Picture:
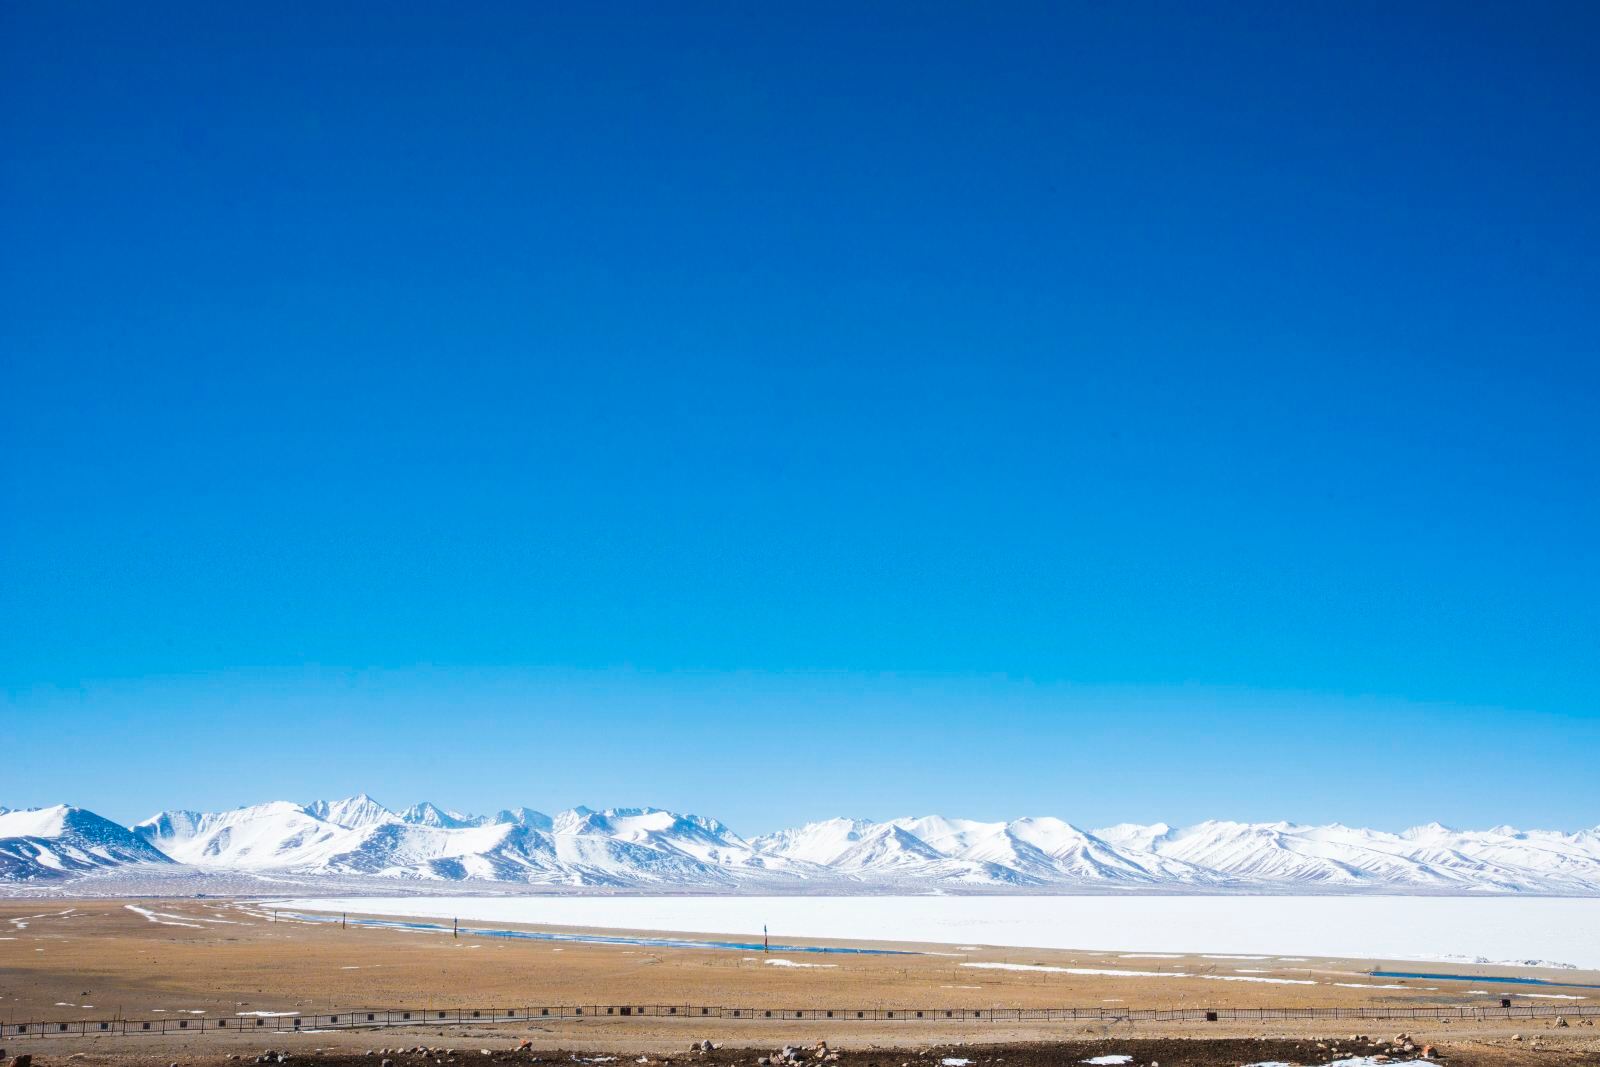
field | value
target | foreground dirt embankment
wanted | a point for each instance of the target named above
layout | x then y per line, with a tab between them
459	1049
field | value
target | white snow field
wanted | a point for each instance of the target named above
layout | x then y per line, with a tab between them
1511	930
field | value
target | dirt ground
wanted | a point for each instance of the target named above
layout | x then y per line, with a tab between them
457	1048
185	958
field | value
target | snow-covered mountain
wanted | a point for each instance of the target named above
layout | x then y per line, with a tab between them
59	842
623	847
427	814
351	812
524	817
639	848
1427	857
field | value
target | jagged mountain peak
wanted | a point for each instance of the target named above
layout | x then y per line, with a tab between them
427	813
524	816
1139	836
817	842
567	822
351	812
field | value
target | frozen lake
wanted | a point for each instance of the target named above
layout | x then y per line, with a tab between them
1491	929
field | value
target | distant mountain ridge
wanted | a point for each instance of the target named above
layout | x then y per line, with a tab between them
644	848
61	842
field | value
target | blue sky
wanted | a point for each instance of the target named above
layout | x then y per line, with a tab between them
1110	411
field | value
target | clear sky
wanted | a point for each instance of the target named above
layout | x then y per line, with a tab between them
1117	411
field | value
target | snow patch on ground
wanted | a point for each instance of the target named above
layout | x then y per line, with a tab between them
794	963
162	917
1109	972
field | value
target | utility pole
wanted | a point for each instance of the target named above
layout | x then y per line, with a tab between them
766	946
455	928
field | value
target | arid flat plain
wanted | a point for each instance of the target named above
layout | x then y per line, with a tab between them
220	959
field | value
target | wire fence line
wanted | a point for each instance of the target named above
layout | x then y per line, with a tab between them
368	1019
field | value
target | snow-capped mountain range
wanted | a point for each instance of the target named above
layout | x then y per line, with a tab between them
649	848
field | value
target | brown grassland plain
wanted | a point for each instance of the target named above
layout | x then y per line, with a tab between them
63	959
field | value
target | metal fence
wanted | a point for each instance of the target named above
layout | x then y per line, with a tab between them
364	1019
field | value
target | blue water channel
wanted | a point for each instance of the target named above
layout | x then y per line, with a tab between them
1480	978
598	939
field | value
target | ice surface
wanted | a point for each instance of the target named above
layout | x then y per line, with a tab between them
1376	928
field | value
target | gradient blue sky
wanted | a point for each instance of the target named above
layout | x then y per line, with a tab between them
1135	411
